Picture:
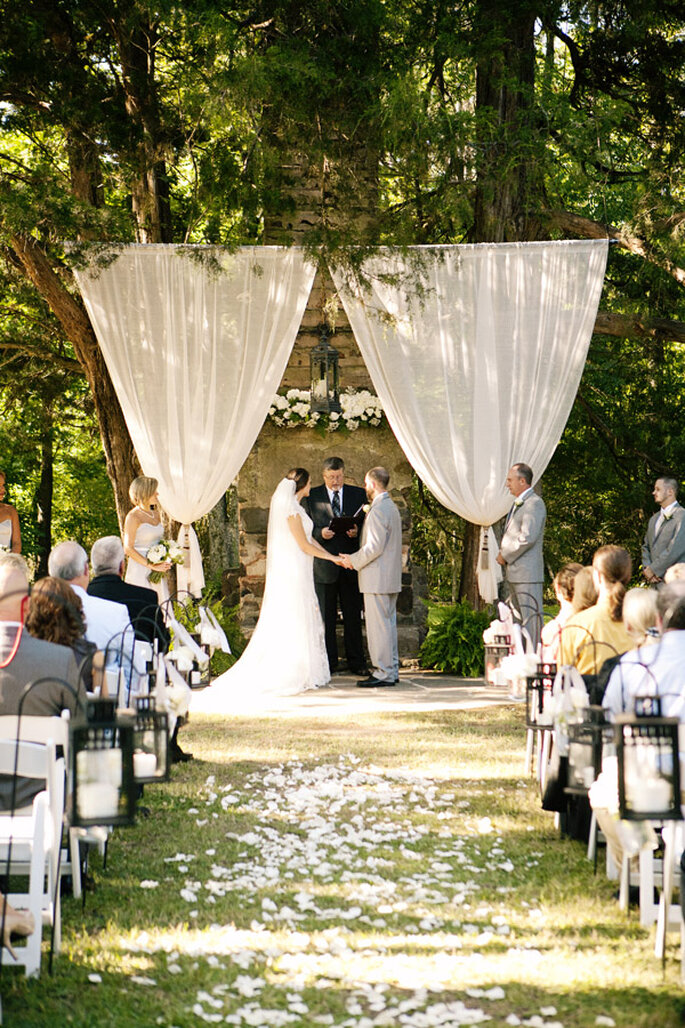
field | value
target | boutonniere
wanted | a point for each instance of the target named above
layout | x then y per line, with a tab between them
366	508
667	517
518	502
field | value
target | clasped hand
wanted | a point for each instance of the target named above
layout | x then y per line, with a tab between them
343	560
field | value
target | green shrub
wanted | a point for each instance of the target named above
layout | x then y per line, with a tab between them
454	642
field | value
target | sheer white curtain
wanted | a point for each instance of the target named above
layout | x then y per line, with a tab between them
478	366
196	342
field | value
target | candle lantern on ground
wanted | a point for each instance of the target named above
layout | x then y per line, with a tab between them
585	742
648	763
324	397
200	674
150	742
495	652
101	756
538	693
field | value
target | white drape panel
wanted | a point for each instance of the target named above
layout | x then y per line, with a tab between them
481	368
196	348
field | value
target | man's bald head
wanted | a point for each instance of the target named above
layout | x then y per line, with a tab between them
14	587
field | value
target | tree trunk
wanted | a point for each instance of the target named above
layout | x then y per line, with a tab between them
122	463
43	496
506	170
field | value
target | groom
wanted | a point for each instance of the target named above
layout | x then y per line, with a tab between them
379	563
335	584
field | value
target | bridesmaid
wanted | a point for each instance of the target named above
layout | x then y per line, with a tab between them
142	529
10	534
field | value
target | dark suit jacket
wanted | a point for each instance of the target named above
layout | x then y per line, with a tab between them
143	610
318	506
36	659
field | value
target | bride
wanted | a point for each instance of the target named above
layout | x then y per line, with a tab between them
143	528
286	653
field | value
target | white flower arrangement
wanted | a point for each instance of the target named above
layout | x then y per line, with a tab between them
164	550
359	407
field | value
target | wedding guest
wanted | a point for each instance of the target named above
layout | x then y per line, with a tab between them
107	564
24	659
655	669
10	533
379	563
584	590
337	586
563	585
592	635
664	542
520	552
55	613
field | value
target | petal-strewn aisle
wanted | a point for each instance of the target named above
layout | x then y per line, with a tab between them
378	870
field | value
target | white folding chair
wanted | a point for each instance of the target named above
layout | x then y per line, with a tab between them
27	842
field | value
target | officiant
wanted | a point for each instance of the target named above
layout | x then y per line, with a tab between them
336	510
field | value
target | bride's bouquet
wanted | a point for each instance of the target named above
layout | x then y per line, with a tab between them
165	549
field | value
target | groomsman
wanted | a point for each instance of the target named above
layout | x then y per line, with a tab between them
521	549
334	584
664	542
379	563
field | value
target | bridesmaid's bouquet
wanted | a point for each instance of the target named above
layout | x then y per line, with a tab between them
165	549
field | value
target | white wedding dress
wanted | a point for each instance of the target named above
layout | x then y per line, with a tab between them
287	651
146	536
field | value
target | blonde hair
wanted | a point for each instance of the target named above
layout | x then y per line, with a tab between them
142	489
584	590
676	573
639	613
615	565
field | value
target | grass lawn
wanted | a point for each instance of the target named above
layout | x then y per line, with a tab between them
375	870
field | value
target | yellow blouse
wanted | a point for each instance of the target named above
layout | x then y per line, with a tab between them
610	637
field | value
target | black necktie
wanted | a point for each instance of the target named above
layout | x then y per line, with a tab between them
336	504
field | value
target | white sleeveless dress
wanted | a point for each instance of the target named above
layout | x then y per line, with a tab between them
6	535
287	651
146	536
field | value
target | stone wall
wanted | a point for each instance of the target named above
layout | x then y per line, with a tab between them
275	452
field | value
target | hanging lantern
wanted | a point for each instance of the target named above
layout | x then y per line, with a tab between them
495	652
324	396
538	694
648	763
102	782
585	742
150	742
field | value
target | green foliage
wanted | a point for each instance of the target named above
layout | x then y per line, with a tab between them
186	614
454	642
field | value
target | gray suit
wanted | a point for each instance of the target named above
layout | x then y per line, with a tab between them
521	548
35	659
379	563
666	548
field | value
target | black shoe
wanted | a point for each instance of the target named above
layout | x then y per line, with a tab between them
373	683
143	811
361	671
177	756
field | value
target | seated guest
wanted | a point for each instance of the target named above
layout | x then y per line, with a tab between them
592	635
25	659
55	613
108	563
655	670
107	623
563	585
584	590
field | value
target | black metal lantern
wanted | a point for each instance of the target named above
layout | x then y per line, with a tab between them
585	742
102	782
200	675
324	397
495	652
150	742
538	691
648	763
